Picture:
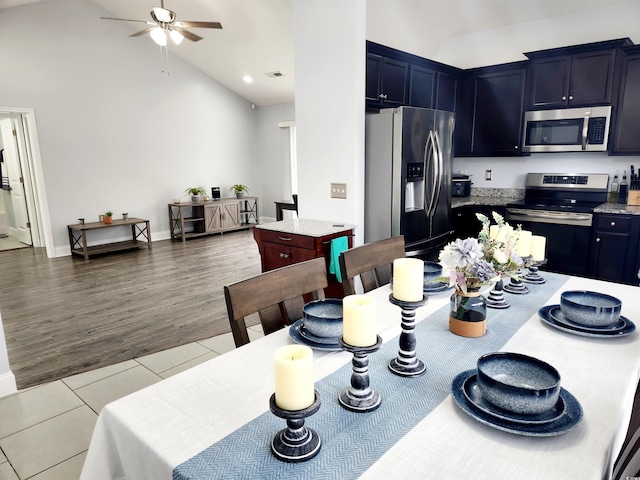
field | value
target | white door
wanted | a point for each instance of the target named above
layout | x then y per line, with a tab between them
11	168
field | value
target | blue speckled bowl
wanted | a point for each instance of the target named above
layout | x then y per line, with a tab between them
518	383
591	309
432	270
323	318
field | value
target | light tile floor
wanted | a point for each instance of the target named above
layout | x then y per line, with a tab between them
45	430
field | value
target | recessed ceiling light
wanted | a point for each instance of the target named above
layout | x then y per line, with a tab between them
247	79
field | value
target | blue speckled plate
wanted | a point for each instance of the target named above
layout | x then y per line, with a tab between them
571	416
472	392
545	316
558	316
297	333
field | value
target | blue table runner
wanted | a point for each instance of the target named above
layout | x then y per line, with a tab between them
352	442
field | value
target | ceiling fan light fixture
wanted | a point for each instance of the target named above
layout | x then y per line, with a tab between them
176	36
159	36
163	15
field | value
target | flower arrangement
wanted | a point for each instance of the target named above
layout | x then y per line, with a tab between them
475	262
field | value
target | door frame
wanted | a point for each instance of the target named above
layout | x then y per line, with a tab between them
34	185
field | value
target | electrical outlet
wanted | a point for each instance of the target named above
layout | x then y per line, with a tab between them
338	190
487	175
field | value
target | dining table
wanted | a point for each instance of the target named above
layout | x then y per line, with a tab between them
214	420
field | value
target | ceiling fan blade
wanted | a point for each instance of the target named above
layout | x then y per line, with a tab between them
123	19
142	32
187	34
198	24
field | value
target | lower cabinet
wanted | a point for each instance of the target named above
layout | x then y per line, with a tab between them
465	223
614	248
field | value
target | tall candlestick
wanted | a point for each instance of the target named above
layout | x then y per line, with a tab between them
294	377
523	244
538	245
359	323
408	279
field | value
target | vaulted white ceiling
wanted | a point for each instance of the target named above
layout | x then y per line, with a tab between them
257	37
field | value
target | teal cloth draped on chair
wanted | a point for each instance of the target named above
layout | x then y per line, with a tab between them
338	245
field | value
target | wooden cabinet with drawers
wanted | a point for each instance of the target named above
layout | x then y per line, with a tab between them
613	247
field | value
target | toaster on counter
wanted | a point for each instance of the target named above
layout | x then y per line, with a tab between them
461	185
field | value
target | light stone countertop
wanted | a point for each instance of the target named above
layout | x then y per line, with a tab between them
618	208
489	196
306	227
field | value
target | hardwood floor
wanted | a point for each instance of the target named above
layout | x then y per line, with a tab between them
65	316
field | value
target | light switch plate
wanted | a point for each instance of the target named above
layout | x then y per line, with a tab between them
338	190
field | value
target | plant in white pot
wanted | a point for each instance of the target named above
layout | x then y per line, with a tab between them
196	193
239	190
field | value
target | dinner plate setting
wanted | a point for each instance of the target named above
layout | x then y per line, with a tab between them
553	316
300	334
559	419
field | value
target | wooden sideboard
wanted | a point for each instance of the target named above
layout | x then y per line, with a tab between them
187	220
292	241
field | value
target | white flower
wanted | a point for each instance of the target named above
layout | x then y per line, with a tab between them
500	256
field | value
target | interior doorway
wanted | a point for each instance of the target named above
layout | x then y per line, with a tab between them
25	206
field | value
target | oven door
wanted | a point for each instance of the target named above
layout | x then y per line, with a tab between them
568	237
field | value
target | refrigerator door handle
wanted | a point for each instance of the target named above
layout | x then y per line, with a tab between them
430	157
440	163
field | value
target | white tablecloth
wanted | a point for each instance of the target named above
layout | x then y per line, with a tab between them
148	433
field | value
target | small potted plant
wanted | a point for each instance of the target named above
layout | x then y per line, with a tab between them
196	193
108	217
239	190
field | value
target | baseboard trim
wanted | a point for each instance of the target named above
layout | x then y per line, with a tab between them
7	384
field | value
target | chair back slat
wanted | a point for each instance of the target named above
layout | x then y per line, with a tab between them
371	263
285	288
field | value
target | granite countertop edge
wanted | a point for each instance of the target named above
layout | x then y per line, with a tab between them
307	227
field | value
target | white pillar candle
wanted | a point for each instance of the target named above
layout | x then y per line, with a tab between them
408	279
359	325
503	232
523	243
294	377
538	245
493	232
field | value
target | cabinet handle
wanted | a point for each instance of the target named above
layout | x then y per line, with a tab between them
613	224
598	240
284	255
564	97
570	97
285	239
383	96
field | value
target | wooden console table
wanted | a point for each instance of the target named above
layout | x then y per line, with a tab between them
78	237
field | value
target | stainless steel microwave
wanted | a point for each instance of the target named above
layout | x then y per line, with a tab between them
567	130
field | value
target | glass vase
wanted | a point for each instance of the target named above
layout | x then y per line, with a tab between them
468	313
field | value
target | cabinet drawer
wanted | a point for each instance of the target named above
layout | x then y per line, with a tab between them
287	239
613	223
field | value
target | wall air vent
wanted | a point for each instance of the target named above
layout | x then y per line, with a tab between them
274	74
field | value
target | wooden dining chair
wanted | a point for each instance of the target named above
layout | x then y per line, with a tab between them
278	297
371	263
627	465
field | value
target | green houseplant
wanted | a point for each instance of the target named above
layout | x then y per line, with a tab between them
108	217
239	190
196	193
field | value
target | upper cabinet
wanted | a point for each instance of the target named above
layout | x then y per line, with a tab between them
396	78
387	81
626	127
490	111
581	75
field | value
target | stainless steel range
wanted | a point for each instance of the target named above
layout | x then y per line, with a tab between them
559	206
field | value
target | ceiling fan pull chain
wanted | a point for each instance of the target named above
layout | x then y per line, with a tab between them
164	59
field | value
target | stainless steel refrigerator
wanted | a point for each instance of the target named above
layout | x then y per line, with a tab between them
408	162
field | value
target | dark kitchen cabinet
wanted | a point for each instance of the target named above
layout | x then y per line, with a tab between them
387	81
464	222
446	92
626	126
613	248
422	85
489	111
581	75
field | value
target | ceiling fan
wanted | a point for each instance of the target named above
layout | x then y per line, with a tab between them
164	24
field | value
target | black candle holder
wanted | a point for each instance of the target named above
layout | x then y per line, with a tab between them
496	296
360	397
296	443
533	276
406	364
516	286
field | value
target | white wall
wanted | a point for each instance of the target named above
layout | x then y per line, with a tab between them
115	132
7	379
330	84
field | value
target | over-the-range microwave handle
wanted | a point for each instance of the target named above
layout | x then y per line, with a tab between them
585	130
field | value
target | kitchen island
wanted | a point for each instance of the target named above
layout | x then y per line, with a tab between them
297	240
